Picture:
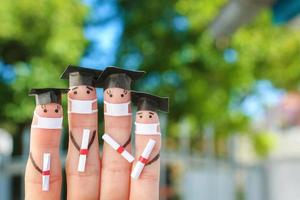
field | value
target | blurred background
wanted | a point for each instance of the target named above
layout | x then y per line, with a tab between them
230	67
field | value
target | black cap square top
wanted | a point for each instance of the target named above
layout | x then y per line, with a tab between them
47	95
80	75
145	101
115	77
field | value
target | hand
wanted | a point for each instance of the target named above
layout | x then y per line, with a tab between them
115	181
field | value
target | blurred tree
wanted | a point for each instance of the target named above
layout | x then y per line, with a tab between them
263	143
37	40
207	80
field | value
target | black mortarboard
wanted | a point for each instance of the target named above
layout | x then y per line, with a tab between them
145	101
47	95
80	75
117	77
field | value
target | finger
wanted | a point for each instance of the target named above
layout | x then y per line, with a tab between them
83	160
43	177
115	168
146	168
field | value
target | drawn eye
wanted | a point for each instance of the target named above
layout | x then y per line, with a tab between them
45	110
141	116
122	95
56	110
150	116
109	93
88	92
75	92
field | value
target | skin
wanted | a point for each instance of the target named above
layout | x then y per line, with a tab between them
83	185
115	179
115	169
146	187
44	141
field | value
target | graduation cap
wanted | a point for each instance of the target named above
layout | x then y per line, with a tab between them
47	95
145	101
117	77
80	75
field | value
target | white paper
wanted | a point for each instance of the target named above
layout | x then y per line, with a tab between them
125	154
47	122
82	106
139	166
137	170
117	109
84	145
146	129
46	167
148	149
109	140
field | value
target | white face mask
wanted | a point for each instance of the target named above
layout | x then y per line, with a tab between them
82	106
117	109
47	122
146	129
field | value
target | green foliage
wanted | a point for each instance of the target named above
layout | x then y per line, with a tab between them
38	38
189	66
264	143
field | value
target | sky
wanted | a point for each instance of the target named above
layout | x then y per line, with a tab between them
103	29
265	95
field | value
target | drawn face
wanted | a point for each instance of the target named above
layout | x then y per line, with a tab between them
82	92
116	95
51	110
146	117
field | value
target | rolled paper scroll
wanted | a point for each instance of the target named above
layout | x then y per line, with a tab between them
46	172
143	159
109	140
83	150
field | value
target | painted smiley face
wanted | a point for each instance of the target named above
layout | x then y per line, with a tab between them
82	93
147	117
52	110
117	95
